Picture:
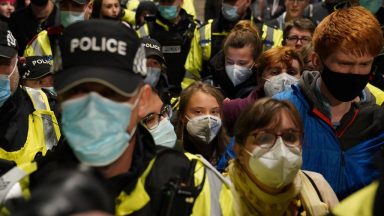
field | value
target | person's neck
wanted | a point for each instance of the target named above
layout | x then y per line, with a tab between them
288	17
207	150
176	20
42	12
338	108
122	164
266	189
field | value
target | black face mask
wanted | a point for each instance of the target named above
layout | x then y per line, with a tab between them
344	87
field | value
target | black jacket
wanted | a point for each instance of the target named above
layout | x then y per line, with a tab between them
14	119
220	78
175	42
24	25
169	164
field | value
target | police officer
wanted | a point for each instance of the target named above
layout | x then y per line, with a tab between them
173	28
28	125
104	99
209	38
43	44
36	72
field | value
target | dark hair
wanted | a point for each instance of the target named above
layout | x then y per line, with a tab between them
96	10
67	192
261	114
186	95
244	34
302	24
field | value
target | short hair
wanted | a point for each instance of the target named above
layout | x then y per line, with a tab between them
244	34
285	55
302	24
352	30
263	113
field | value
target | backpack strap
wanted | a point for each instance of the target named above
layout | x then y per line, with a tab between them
314	186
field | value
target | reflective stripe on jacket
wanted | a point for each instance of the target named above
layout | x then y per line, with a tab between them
215	197
43	130
39	46
201	49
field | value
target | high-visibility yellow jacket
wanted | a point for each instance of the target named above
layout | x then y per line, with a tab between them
215	197
42	43
130	12
43	130
378	93
360	203
201	49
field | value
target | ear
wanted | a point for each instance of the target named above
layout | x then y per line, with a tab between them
315	58
145	99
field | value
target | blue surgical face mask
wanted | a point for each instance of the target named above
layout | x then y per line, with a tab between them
5	86
164	134
230	12
96	128
153	75
69	17
168	12
371	5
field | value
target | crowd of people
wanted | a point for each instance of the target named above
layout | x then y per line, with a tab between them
136	107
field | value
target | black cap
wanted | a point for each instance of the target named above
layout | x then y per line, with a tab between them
103	51
8	44
35	67
153	49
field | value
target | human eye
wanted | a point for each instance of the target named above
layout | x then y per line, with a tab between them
229	62
198	112
264	140
306	39
151	121
292	38
291	137
292	71
275	71
215	112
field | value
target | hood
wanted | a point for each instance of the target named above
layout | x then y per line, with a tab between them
316	99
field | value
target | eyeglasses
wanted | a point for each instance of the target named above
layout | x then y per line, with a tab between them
152	120
267	139
295	39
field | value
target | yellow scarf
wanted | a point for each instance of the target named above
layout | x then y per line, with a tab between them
251	200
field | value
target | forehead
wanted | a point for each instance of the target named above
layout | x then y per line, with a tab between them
299	32
282	121
103	90
339	55
110	1
239	53
203	100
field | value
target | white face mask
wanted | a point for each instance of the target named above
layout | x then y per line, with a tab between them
238	74
275	167
279	83
164	134
204	128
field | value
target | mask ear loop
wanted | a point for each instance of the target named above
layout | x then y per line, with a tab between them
14	69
